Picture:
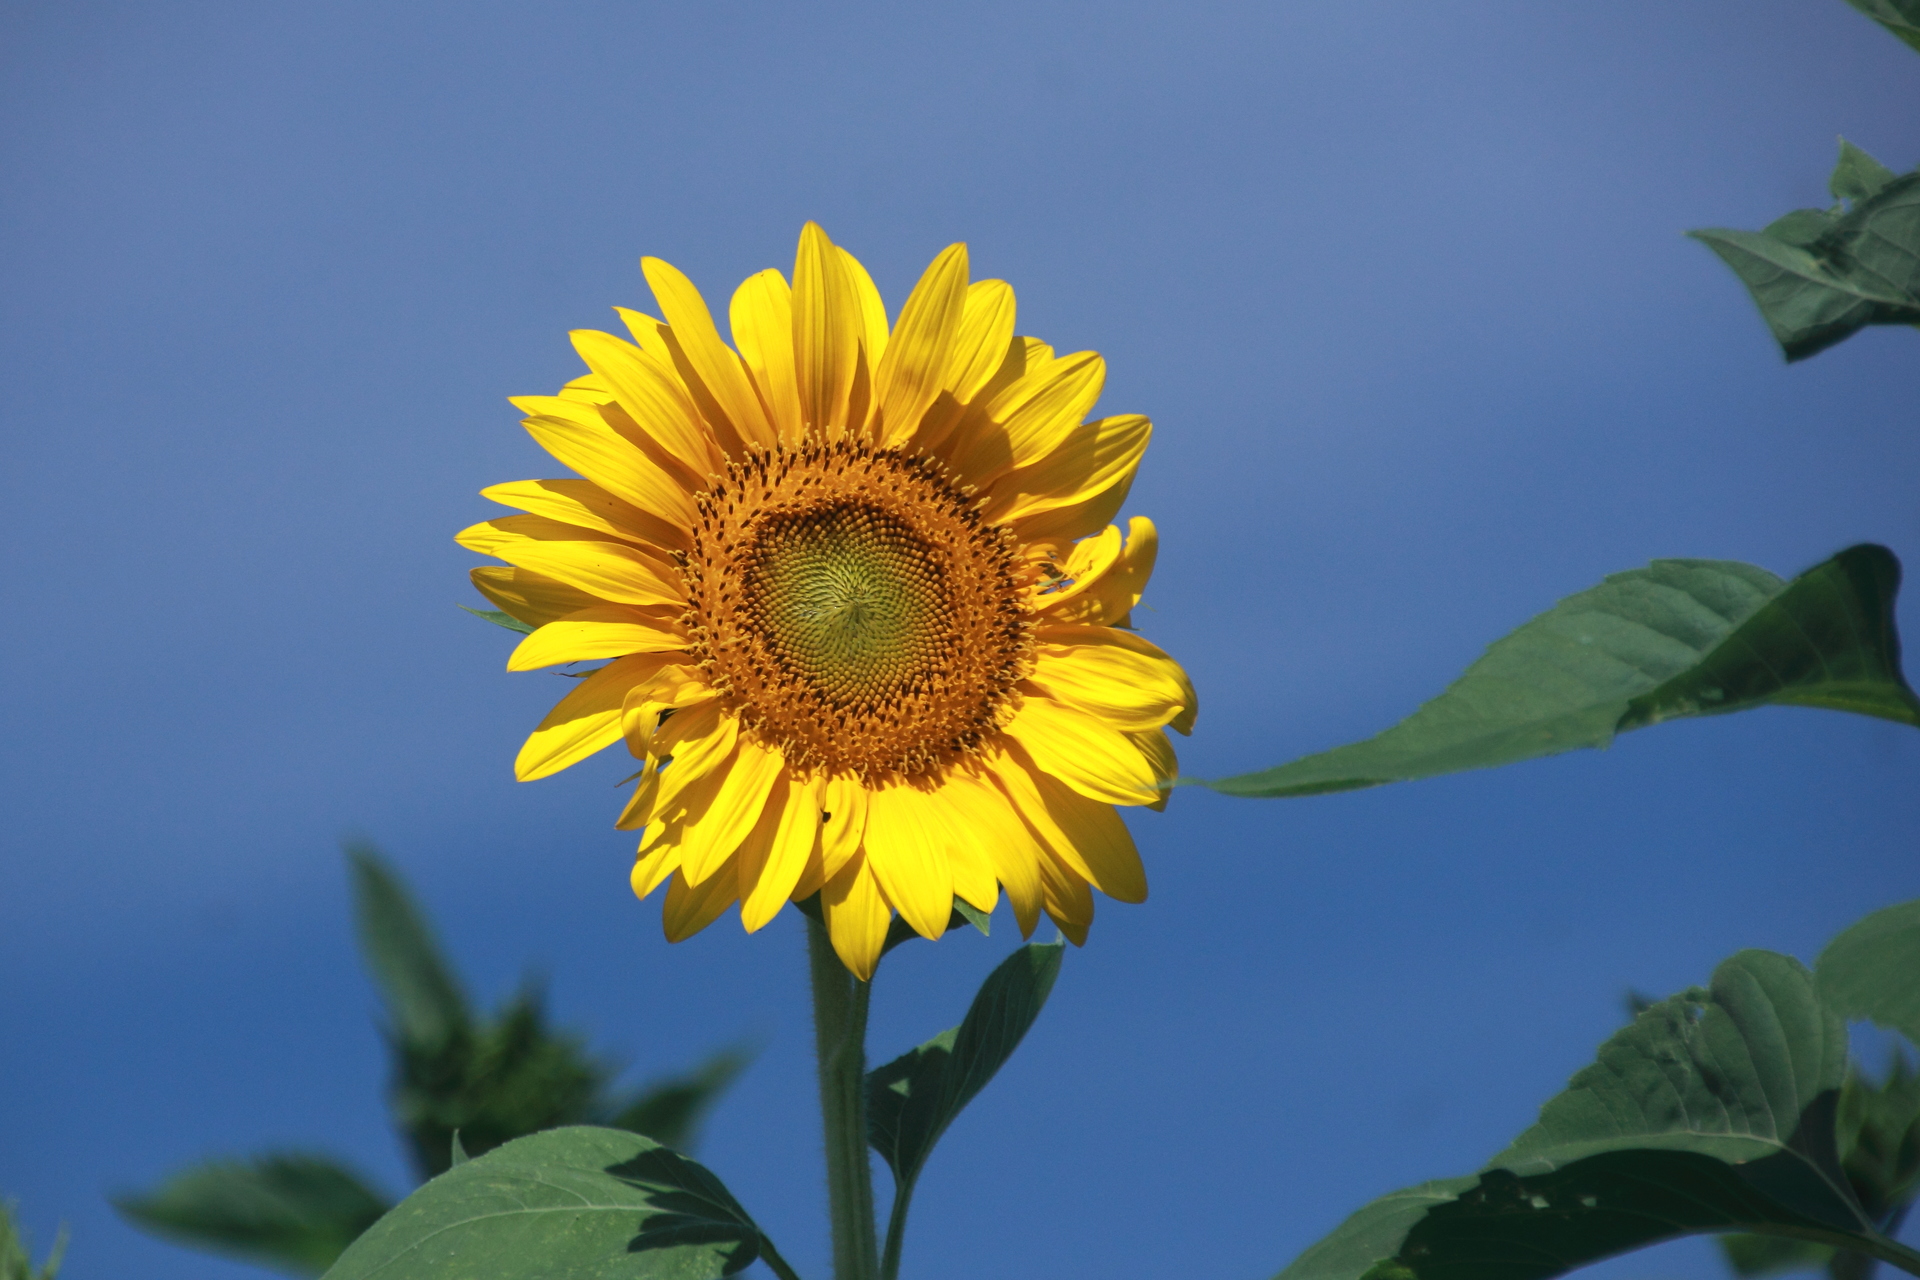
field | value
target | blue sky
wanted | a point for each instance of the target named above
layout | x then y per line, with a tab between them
1404	290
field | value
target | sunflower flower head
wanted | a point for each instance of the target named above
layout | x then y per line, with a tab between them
864	619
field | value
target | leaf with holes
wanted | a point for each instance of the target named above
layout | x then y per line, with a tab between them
1678	638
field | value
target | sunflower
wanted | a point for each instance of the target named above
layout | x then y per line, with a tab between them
867	621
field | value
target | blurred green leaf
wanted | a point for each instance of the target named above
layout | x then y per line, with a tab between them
16	1262
912	1100
578	1202
1713	1111
670	1111
510	1077
499	619
1678	638
1751	1255
1819	276
1902	17
1871	971
425	1005
294	1213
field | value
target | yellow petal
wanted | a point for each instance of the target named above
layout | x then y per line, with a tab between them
713	834
1107	593
1035	416
1161	759
602	631
793	837
1061	527
827	324
1083	751
920	350
986	813
1094	457
673	687
762	321
843	823
1100	839
652	395
651	337
906	847
873	312
653	866
612	571
953	431
980	346
585	504
716	366
638	814
1067	901
586	720
613	462
700	744
857	918
690	908
533	598
1086	564
967	833
1124	680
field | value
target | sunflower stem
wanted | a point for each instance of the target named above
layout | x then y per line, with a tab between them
840	1040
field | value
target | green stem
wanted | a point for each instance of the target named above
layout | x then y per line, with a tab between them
840	1040
896	1233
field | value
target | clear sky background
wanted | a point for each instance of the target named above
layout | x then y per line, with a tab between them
1404	289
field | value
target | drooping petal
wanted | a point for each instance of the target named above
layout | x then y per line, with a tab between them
617	572
586	720
791	845
690	908
1067	900
638	815
857	918
653	865
602	631
717	367
1160	757
920	351
827	325
1015	851
700	743
1106	589
1119	677
762	320
843	820
1085	752
675	687
588	506
906	847
533	598
655	400
712	835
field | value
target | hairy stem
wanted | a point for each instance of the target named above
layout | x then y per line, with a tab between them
840	1036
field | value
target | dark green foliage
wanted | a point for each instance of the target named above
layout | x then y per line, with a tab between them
1902	17
294	1213
16	1263
1821	275
576	1202
912	1100
1678	638
463	1084
1721	1109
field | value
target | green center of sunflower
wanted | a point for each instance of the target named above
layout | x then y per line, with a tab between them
853	610
849	599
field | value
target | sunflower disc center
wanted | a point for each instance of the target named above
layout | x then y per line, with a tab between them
853	610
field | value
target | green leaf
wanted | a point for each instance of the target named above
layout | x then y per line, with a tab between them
1750	1255
1872	970
500	619
294	1213
1902	17
578	1203
1818	276
423	998
1678	638
912	1100
16	1262
1857	176
1713	1111
670	1111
